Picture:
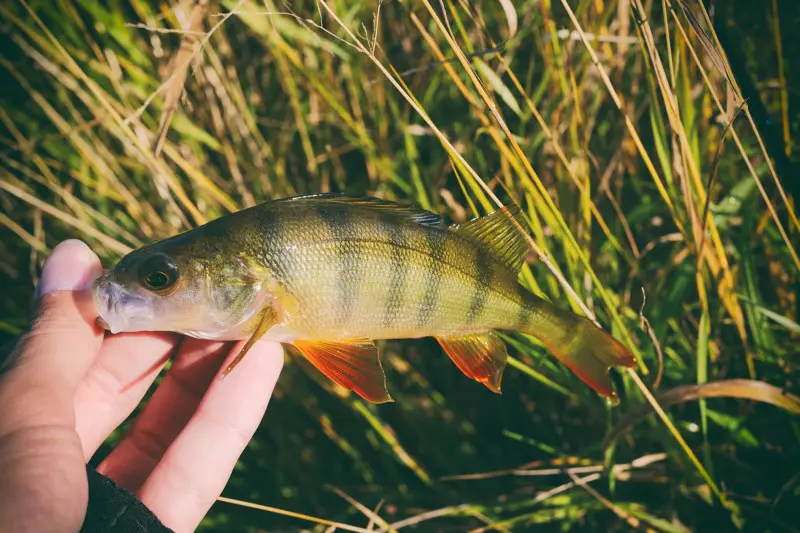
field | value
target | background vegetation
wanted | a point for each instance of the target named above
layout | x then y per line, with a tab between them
618	126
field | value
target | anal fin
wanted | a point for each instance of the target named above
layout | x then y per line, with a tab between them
480	357
354	364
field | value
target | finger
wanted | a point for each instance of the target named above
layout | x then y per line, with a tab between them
197	465
52	357
116	382
170	408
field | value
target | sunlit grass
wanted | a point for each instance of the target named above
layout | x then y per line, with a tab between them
621	134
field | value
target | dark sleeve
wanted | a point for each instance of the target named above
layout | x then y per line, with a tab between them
113	509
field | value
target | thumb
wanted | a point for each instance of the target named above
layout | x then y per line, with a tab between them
50	359
43	485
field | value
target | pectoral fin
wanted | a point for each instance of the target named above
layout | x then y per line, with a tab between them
268	319
480	357
353	364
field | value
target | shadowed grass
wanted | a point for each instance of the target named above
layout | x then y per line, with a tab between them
620	130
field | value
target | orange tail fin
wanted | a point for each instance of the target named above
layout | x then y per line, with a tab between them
586	349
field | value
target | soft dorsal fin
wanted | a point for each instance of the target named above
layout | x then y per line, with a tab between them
498	231
415	214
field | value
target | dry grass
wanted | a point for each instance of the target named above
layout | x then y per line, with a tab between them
618	127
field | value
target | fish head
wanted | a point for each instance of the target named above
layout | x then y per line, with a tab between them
179	286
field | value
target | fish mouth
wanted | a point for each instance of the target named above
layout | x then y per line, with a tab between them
118	309
102	323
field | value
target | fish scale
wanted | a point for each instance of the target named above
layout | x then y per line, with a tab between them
440	293
329	274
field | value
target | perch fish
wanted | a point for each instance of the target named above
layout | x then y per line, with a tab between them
329	274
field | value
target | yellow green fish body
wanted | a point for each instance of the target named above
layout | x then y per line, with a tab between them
329	274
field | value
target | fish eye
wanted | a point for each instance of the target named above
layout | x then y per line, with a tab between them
158	273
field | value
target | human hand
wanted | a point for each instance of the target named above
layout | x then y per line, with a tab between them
68	388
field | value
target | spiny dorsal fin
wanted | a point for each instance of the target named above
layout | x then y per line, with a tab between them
498	231
416	214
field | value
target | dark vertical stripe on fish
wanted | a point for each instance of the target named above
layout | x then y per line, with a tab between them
338	220
480	287
436	243
524	315
397	281
271	252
